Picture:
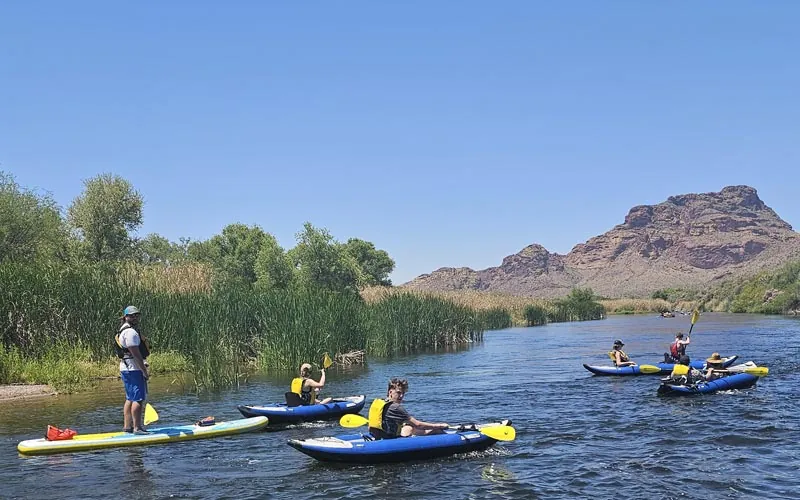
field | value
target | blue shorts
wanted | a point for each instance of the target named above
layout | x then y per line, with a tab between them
135	385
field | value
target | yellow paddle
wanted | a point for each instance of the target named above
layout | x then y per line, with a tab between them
496	432
326	361
649	369
695	317
758	371
150	415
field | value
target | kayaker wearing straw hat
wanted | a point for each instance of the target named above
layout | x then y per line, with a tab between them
714	366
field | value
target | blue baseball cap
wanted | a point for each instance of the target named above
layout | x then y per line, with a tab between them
131	310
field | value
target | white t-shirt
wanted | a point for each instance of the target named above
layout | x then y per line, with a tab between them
129	337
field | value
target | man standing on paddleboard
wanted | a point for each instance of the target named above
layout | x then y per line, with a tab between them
132	350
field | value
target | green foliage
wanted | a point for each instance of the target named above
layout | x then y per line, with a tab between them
376	265
535	315
273	266
579	305
105	214
218	336
233	253
322	263
496	318
30	224
772	292
660	294
155	249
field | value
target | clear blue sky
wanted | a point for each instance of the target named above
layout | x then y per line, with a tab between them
447	133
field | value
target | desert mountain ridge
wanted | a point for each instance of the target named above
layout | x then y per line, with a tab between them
687	241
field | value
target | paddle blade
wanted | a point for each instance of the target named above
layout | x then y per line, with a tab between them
695	316
326	361
352	420
150	415
758	371
499	432
649	369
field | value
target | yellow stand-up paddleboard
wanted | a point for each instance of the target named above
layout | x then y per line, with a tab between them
156	435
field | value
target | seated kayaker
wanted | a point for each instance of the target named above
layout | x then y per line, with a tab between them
683	373
618	356
676	349
307	388
388	419
714	367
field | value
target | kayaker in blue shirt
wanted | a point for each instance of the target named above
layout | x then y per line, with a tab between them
618	355
388	419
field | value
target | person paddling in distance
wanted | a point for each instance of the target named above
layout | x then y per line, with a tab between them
618	355
131	347
388	419
677	349
307	388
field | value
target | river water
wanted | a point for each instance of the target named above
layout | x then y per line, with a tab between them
578	436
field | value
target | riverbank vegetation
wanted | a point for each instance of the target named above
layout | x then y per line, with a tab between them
218	308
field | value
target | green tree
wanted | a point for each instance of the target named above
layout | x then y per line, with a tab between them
233	253
376	265
155	249
31	226
273	266
105	214
321	262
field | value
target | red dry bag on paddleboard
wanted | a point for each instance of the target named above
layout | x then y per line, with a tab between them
56	434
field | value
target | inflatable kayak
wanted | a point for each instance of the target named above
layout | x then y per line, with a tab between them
280	413
363	449
735	381
665	368
157	435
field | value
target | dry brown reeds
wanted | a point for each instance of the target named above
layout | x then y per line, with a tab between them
181	278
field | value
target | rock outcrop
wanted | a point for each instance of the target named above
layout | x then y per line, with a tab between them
688	241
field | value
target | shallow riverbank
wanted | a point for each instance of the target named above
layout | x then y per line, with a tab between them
21	391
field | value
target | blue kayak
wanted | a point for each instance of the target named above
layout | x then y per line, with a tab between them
735	381
363	449
281	413
666	368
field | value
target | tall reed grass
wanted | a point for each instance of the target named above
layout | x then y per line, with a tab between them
219	335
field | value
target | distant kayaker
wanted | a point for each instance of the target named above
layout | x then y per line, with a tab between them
677	348
307	388
618	355
388	419
131	348
714	367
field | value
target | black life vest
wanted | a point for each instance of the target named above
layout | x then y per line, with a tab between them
123	352
309	397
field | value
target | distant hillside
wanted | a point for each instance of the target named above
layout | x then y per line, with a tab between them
687	241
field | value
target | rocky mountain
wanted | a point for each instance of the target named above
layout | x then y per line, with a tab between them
688	241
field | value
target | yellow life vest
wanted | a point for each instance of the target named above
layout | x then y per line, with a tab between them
679	371
613	356
376	413
308	397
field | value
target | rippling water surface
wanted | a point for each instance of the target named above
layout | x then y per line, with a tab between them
578	436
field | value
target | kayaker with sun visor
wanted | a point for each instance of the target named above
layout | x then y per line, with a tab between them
618	356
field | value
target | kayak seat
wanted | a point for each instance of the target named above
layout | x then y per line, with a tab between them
292	399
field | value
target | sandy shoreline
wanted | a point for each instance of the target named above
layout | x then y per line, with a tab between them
20	391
